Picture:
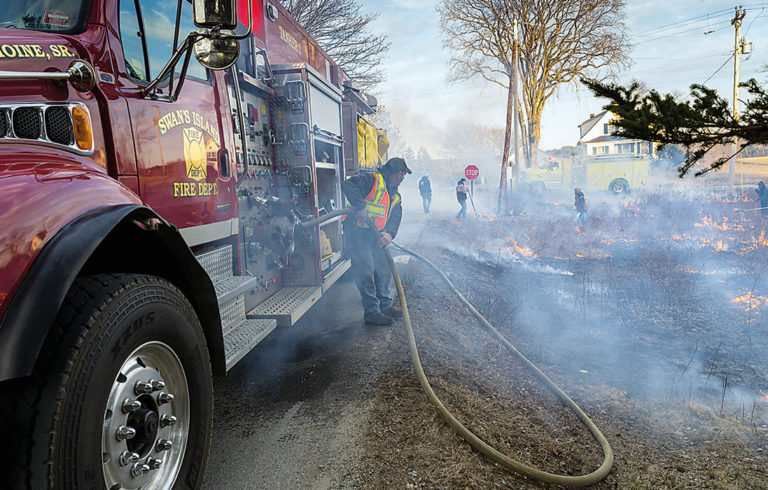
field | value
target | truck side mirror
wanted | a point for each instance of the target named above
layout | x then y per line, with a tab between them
209	14
217	53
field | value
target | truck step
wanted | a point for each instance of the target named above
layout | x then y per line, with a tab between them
217	263
233	286
239	340
287	305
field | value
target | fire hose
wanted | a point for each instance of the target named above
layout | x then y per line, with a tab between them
458	427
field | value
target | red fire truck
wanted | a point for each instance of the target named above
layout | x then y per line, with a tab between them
155	158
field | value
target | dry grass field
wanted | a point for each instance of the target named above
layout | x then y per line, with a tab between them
655	320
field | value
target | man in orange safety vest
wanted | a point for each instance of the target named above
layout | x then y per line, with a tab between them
377	203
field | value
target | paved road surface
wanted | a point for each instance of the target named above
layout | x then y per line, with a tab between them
288	415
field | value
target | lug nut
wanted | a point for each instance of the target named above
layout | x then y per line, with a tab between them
164	398
167	420
157	385
131	405
127	457
142	388
139	469
163	445
154	463
125	432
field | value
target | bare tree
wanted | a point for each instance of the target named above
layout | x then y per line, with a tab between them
560	41
472	142
343	32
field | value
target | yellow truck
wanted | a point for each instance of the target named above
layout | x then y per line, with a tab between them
616	173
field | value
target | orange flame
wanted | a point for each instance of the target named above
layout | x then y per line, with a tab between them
764	395
709	222
762	240
524	251
720	247
751	301
632	206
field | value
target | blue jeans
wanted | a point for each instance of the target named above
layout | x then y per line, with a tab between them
370	269
463	211
426	201
581	219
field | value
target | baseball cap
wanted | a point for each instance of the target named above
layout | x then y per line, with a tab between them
397	164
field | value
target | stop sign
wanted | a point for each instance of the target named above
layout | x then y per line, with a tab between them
471	172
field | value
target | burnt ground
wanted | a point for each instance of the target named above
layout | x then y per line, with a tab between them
635	319
653	320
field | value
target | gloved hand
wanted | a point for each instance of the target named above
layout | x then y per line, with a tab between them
384	239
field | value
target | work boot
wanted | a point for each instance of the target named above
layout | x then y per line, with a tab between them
393	312
378	318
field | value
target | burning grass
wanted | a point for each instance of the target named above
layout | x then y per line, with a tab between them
652	320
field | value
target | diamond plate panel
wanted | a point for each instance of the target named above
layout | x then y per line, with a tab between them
217	263
232	314
241	339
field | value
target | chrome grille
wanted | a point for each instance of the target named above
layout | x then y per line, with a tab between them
26	123
4	125
58	125
49	123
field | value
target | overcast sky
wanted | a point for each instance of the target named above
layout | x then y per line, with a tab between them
675	43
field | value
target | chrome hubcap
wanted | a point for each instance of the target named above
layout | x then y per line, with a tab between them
146	420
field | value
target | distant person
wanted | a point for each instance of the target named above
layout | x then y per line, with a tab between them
762	197
425	189
461	196
376	200
581	208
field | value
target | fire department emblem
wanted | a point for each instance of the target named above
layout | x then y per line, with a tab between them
194	153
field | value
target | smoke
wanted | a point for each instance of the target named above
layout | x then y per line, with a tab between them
663	296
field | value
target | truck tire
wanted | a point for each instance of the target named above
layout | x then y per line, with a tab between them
121	395
538	187
619	186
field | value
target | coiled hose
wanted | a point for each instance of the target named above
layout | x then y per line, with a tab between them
458	427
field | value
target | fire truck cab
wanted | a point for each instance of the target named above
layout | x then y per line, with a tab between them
156	157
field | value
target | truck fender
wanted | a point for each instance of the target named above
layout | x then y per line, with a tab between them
121	238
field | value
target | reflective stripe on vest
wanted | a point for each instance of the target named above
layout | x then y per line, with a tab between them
377	202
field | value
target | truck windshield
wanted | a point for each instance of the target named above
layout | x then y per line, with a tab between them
66	16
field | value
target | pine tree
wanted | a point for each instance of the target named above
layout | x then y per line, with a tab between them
700	124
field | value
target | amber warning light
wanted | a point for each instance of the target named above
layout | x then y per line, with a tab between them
83	130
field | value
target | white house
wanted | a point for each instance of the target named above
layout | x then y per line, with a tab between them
596	139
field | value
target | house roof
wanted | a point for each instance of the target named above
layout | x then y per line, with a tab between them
605	137
590	123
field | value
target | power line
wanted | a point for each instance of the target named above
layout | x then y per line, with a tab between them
715	73
753	20
699	18
665	36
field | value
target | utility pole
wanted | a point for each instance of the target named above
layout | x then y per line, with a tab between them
515	115
737	46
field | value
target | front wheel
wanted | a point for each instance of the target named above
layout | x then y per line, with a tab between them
125	394
618	186
538	187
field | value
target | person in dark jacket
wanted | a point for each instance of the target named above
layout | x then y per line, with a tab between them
425	189
762	197
461	196
369	231
581	208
